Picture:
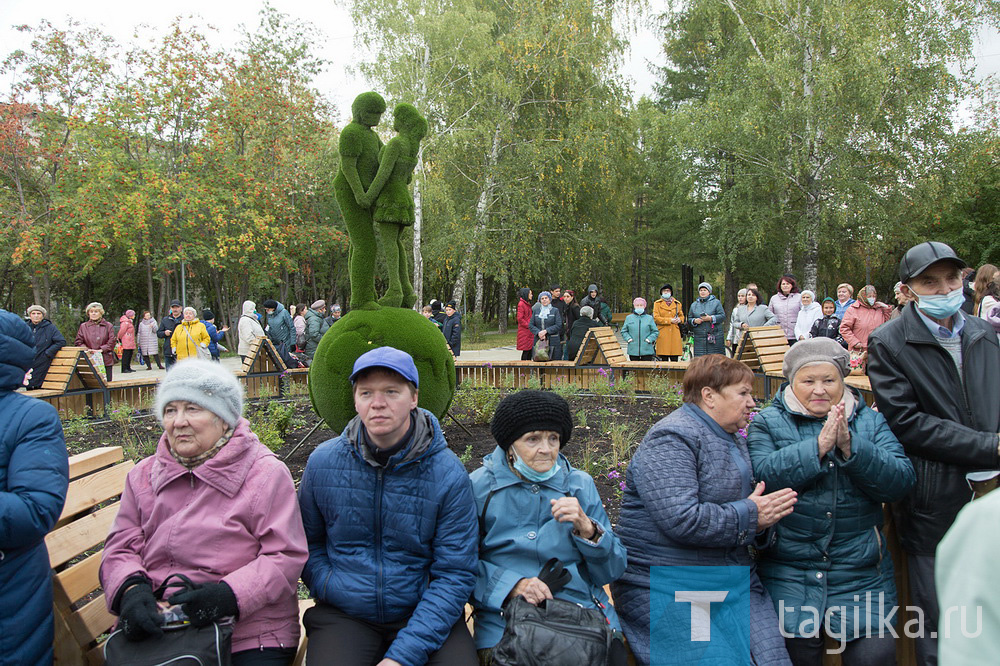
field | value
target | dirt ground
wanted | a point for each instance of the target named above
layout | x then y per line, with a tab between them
607	431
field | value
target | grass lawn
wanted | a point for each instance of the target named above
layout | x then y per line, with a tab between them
493	339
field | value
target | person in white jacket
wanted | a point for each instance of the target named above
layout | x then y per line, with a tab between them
808	314
248	328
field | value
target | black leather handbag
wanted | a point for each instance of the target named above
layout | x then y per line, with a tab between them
184	645
556	632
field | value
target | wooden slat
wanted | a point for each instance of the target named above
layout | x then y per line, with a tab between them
93	489
58	362
82	534
91	621
95	657
770	342
66	652
80	579
88	461
54	386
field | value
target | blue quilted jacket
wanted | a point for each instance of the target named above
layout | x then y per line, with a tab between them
830	548
394	542
33	479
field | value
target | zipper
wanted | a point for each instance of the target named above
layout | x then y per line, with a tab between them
379	601
567	628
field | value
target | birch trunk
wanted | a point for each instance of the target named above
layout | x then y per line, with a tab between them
418	221
485	196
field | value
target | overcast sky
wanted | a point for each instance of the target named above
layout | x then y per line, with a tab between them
119	19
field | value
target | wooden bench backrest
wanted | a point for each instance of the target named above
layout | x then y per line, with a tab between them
72	369
97	479
262	357
763	348
600	347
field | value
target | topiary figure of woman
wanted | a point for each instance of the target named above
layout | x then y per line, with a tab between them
394	210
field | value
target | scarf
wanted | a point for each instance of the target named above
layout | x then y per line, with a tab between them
194	461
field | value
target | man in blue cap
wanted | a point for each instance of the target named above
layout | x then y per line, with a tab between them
936	376
392	530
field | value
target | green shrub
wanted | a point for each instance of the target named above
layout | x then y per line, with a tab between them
565	389
271	424
473	328
668	391
477	400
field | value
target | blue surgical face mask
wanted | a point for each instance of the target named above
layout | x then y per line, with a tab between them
666	296
871	301
640	310
941	307
531	474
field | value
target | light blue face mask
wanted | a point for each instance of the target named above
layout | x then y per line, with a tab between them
871	301
640	310
941	307
533	475
666	296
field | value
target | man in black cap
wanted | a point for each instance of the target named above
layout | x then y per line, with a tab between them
166	329
452	328
936	377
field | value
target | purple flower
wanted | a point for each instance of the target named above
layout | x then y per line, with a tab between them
614	474
489	365
602	372
621	486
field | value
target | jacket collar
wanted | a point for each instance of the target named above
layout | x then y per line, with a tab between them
426	439
503	476
226	471
697	412
916	331
787	400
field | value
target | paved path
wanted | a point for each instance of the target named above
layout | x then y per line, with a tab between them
140	372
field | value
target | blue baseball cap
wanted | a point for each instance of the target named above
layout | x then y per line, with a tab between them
389	358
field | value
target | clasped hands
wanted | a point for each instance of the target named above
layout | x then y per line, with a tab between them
564	510
835	433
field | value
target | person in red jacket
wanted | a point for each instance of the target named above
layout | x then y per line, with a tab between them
126	334
98	335
525	338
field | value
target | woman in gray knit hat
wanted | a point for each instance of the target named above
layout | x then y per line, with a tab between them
215	504
828	571
533	506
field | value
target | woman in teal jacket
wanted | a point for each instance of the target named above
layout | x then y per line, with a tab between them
828	570
534	506
640	332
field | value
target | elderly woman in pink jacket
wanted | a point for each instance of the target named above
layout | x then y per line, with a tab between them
215	504
864	316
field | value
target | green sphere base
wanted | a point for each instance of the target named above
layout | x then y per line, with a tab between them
360	331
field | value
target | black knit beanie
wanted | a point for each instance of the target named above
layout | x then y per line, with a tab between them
526	411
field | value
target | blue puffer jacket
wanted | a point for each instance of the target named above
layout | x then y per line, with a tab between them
830	548
215	337
521	536
48	341
280	327
394	542
34	473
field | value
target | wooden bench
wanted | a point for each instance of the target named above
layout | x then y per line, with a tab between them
763	348
97	479
262	368
73	385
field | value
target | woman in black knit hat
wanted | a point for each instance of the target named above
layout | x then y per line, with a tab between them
533	506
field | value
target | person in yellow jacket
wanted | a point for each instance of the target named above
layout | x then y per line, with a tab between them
668	315
188	335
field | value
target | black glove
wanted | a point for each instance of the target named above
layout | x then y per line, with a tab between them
554	575
139	616
210	602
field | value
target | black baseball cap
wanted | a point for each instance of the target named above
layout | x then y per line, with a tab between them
919	257
175	303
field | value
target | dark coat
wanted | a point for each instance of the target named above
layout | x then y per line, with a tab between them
685	504
947	425
700	332
836	527
34	473
280	327
570	314
578	333
100	335
602	311
215	336
392	543
828	327
168	323
525	338
552	324
48	340
452	329
316	326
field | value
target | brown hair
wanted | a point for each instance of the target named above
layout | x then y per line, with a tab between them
790	279
714	371
984	276
756	293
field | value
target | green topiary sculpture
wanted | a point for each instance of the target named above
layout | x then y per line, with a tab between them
363	330
359	150
394	209
361	182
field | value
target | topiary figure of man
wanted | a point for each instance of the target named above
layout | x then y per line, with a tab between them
359	151
394	210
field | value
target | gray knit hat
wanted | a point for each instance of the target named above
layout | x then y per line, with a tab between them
39	308
815	350
706	286
204	383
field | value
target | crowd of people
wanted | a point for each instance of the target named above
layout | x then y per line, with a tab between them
557	324
393	538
